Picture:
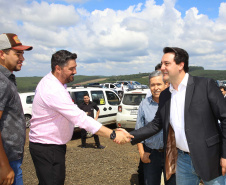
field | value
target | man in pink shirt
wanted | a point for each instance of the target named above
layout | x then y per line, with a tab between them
54	116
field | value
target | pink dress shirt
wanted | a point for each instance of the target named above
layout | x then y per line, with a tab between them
54	114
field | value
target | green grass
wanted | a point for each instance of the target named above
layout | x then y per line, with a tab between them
27	84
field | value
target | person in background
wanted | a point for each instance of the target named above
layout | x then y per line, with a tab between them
223	90
151	150
88	107
12	121
122	86
158	67
140	167
54	116
130	85
194	146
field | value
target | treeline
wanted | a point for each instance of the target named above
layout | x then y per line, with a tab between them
28	84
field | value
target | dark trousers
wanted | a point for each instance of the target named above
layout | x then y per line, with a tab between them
49	162
154	169
141	173
83	138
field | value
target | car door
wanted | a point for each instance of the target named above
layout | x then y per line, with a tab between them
107	101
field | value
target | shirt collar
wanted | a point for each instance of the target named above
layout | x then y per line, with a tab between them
150	99
54	78
183	83
8	74
85	103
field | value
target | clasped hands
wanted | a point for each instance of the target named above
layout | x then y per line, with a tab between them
122	136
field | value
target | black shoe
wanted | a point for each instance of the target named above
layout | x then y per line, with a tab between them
100	147
83	146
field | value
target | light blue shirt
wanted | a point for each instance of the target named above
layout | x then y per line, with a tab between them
146	113
130	86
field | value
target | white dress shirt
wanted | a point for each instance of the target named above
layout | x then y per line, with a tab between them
177	113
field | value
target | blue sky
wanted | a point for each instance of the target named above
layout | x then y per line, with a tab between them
209	7
113	37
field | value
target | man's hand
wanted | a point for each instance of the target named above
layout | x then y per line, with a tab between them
122	136
145	157
6	174
223	165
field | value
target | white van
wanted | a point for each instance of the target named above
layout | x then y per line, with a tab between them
128	108
27	100
106	99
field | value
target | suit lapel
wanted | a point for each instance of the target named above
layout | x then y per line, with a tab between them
167	107
167	110
189	93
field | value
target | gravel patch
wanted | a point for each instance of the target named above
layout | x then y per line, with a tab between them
116	164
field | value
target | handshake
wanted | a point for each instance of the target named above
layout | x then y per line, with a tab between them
122	136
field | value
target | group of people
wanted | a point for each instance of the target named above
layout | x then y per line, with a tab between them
54	116
186	141
188	111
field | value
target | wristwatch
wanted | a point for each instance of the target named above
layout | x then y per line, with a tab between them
113	135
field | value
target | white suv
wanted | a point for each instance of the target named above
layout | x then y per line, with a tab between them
115	87
128	108
27	100
107	101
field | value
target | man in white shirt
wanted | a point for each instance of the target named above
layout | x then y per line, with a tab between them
188	112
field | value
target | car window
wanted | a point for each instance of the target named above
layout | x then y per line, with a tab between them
78	96
133	99
98	97
106	85
29	99
137	83
118	85
112	98
112	86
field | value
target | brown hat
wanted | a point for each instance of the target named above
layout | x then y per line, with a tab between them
11	41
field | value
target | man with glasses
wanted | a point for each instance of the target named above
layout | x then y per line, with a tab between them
12	122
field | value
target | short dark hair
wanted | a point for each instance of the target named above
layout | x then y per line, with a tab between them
86	94
158	66
180	56
61	58
6	51
222	87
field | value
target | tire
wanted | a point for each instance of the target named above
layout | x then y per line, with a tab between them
27	119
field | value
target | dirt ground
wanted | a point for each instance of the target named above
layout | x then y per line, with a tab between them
116	164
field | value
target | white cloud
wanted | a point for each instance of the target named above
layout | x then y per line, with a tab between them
50	15
113	42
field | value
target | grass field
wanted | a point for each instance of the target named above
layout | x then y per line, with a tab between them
28	84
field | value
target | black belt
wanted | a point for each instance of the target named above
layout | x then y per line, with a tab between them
160	150
188	153
147	149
